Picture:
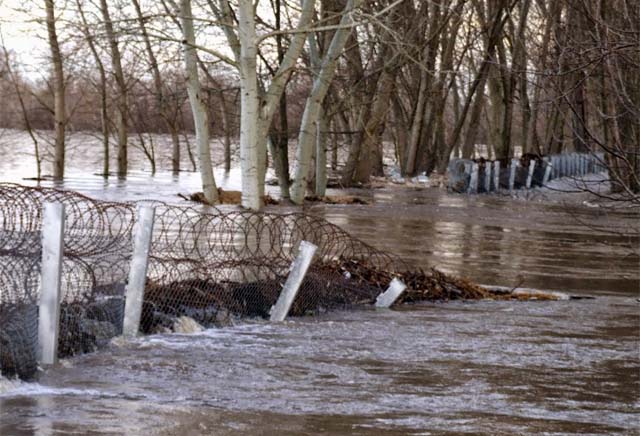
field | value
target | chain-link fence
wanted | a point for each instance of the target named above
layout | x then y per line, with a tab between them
210	265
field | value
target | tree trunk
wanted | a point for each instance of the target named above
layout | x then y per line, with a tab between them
249	154
197	102
161	103
58	92
497	24
121	106
313	105
226	126
104	109
321	154
374	129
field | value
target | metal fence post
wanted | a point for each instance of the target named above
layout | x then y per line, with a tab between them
388	297
290	289
53	218
138	271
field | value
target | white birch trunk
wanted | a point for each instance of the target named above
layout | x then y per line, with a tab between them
310	116
198	107
249	155
257	110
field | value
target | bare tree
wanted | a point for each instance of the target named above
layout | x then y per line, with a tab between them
58	92
121	106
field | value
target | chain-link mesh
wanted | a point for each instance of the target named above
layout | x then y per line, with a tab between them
207	264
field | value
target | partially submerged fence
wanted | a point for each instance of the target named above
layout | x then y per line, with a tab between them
209	265
203	263
484	176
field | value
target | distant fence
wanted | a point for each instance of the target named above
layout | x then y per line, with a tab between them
484	176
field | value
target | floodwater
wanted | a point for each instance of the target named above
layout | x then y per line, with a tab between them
568	367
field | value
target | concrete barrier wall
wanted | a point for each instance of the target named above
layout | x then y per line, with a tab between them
468	176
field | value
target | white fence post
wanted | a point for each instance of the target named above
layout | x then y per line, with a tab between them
50	282
547	171
532	167
487	176
299	268
138	271
388	297
496	176
473	182
512	174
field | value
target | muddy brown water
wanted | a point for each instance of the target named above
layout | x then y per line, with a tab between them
569	367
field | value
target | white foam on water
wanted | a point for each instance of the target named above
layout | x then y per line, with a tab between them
19	388
186	325
9	385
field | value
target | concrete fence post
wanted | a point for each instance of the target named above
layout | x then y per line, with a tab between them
579	164
473	181
487	176
512	173
548	167
554	166
142	233
53	218
290	289
532	168
388	297
496	176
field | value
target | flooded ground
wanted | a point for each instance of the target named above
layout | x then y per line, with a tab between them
449	368
563	367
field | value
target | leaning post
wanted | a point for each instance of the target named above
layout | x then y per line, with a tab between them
53	218
138	271
299	268
388	297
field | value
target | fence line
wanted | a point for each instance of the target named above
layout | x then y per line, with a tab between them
524	173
